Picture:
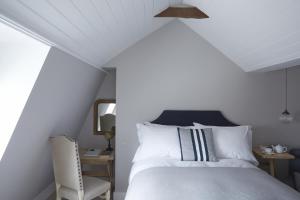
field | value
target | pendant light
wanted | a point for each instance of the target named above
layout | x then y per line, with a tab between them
286	116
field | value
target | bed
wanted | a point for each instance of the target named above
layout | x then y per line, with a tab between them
173	179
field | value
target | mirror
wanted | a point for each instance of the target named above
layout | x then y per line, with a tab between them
104	116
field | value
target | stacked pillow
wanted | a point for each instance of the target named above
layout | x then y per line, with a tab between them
194	143
232	142
157	141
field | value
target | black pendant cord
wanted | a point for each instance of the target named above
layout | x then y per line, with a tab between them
286	116
286	90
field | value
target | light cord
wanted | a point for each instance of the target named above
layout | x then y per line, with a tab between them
286	89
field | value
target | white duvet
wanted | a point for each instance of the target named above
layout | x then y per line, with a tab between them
227	179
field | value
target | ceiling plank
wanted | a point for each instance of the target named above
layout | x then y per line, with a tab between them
94	31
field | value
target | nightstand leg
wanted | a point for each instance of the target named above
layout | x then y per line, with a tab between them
272	167
109	170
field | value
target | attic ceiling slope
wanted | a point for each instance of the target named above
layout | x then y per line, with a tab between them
255	34
93	31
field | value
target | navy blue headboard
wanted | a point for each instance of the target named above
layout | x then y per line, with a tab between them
187	117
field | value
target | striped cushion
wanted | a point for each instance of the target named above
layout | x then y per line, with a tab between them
196	144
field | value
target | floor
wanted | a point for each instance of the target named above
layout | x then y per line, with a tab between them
52	197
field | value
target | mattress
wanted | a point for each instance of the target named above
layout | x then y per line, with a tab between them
226	179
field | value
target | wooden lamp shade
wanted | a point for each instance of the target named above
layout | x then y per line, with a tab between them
183	11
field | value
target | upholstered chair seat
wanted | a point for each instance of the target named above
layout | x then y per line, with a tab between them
93	187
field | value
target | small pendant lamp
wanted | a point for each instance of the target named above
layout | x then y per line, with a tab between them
286	116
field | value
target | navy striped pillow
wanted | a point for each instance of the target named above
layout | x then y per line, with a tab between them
196	144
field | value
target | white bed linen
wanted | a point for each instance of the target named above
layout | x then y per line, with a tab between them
150	163
226	179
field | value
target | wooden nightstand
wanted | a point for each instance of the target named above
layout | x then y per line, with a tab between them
105	158
270	158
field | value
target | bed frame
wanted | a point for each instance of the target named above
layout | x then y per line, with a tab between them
187	117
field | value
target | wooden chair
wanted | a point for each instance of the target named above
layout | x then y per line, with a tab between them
70	183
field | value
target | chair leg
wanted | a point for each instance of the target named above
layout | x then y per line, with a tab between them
80	195
107	195
57	192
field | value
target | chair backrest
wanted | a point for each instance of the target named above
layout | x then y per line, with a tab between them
66	163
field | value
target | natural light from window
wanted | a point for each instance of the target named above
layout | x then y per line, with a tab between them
21	59
110	109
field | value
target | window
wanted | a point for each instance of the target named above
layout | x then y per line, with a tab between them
21	59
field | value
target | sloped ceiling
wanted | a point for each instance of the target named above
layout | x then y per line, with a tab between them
93	30
255	34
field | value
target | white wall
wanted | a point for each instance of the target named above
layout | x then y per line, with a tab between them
21	59
174	68
58	104
107	90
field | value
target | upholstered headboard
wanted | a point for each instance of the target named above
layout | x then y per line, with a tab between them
187	117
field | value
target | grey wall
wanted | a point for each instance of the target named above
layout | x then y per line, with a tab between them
58	104
107	90
174	68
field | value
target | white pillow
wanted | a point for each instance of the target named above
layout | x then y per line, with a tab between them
157	141
232	142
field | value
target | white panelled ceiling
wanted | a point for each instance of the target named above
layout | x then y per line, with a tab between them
93	30
255	34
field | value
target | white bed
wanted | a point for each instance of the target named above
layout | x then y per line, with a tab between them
163	169
226	179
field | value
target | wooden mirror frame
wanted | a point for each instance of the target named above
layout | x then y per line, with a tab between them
97	102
